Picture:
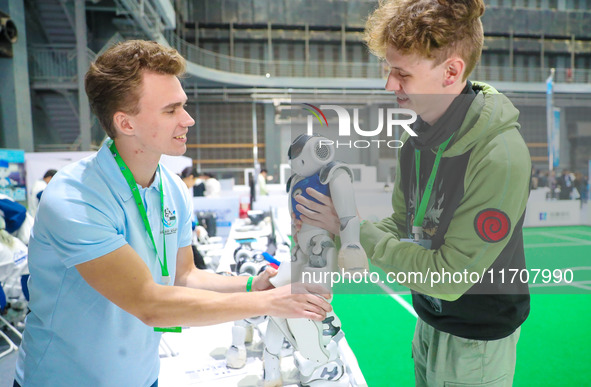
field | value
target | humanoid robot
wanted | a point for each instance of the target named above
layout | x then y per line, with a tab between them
312	161
317	354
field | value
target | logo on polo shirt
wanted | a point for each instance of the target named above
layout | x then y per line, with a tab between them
169	218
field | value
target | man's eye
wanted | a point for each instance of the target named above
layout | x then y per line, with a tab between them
170	112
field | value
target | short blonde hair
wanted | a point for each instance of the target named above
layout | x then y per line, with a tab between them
113	82
432	29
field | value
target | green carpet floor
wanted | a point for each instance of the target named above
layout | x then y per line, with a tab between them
555	344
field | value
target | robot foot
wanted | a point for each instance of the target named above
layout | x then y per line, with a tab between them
352	258
273	383
343	382
236	357
330	374
271	370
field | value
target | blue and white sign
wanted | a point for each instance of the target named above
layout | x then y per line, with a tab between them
12	174
550	117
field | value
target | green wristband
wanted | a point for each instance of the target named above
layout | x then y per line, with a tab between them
170	329
249	284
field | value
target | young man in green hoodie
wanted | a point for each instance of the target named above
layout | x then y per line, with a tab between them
465	231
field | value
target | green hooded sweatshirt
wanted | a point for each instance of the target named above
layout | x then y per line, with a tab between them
474	220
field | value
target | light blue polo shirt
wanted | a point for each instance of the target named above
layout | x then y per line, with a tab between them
74	336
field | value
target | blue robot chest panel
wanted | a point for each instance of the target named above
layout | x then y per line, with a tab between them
300	189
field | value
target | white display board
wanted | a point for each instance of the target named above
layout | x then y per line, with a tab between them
552	213
37	163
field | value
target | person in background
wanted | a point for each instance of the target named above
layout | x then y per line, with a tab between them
262	182
565	182
110	253
535	178
190	177
37	191
212	185
13	263
17	221
543	180
552	183
581	183
13	270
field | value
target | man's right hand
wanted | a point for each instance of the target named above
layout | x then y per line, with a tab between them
322	214
300	301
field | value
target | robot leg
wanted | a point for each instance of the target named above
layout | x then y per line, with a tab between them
272	355
236	354
328	374
322	262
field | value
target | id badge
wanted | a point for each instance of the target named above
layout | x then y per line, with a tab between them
426	243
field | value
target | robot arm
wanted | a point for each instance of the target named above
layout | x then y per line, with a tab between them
343	199
352	257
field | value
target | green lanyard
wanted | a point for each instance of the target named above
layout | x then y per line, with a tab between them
140	206
420	209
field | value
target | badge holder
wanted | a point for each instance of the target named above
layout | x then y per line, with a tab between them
418	239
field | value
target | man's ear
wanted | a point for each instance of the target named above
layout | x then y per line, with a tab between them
122	123
454	71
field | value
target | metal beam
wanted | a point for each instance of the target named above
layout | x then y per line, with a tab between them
231	32
307	48
82	67
270	68
16	124
343	44
542	44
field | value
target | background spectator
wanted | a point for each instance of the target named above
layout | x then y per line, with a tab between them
212	185
37	191
565	182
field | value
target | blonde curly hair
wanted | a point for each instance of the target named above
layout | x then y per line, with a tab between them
432	29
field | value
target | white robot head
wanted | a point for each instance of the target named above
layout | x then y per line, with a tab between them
308	154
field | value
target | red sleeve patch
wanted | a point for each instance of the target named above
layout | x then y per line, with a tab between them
492	225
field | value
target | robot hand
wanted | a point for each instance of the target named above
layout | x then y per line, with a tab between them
202	235
352	259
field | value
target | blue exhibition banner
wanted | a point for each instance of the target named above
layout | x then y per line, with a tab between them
12	174
549	117
554	145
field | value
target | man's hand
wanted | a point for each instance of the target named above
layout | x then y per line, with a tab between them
321	214
300	301
262	281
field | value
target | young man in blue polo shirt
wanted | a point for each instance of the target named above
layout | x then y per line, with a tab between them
110	256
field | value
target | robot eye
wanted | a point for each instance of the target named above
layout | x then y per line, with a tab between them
297	192
302	162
